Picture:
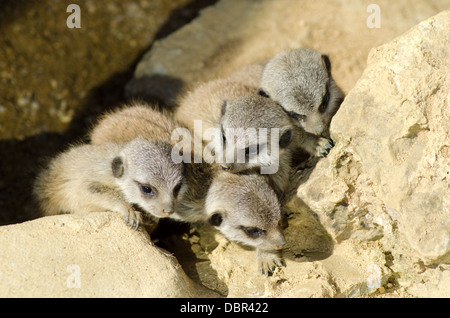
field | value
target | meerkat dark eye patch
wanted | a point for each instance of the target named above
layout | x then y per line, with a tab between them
117	167
177	189
296	116
215	219
324	104
252	150
223	109
262	93
224	139
285	139
253	232
326	61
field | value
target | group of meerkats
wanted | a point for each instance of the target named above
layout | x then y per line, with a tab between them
128	166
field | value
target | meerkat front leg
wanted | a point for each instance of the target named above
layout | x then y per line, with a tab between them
112	200
268	261
316	145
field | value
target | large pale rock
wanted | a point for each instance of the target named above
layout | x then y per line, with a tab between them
392	157
233	33
94	256
388	178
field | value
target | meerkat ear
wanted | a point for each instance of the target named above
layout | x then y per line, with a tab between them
262	93
224	108
215	219
286	138
326	61
117	167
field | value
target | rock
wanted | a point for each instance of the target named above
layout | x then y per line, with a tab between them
392	159
94	256
233	33
388	177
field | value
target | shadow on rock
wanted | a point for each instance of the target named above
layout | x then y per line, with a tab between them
157	89
307	239
189	244
20	162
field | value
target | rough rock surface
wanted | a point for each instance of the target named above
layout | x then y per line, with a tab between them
94	256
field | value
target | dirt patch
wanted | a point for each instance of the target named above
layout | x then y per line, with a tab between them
55	81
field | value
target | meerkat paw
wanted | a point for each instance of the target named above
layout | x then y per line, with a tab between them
324	146
268	261
133	218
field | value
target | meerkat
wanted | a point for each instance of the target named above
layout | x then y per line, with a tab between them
264	118
300	81
132	178
245	209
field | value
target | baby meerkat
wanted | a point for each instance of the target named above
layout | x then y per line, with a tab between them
130	179
300	81
245	209
250	125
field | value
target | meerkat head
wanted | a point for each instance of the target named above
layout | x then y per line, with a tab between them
245	209
148	177
300	81
255	133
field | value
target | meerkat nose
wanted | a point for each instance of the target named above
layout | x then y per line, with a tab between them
225	167
168	210
281	242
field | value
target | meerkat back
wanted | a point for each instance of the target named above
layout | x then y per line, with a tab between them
249	75
64	186
205	102
127	123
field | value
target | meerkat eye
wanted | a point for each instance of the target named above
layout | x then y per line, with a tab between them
253	232
296	116
146	189
325	100
177	188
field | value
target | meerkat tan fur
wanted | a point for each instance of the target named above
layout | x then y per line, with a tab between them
128	122
300	80
205	101
249	75
130	179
